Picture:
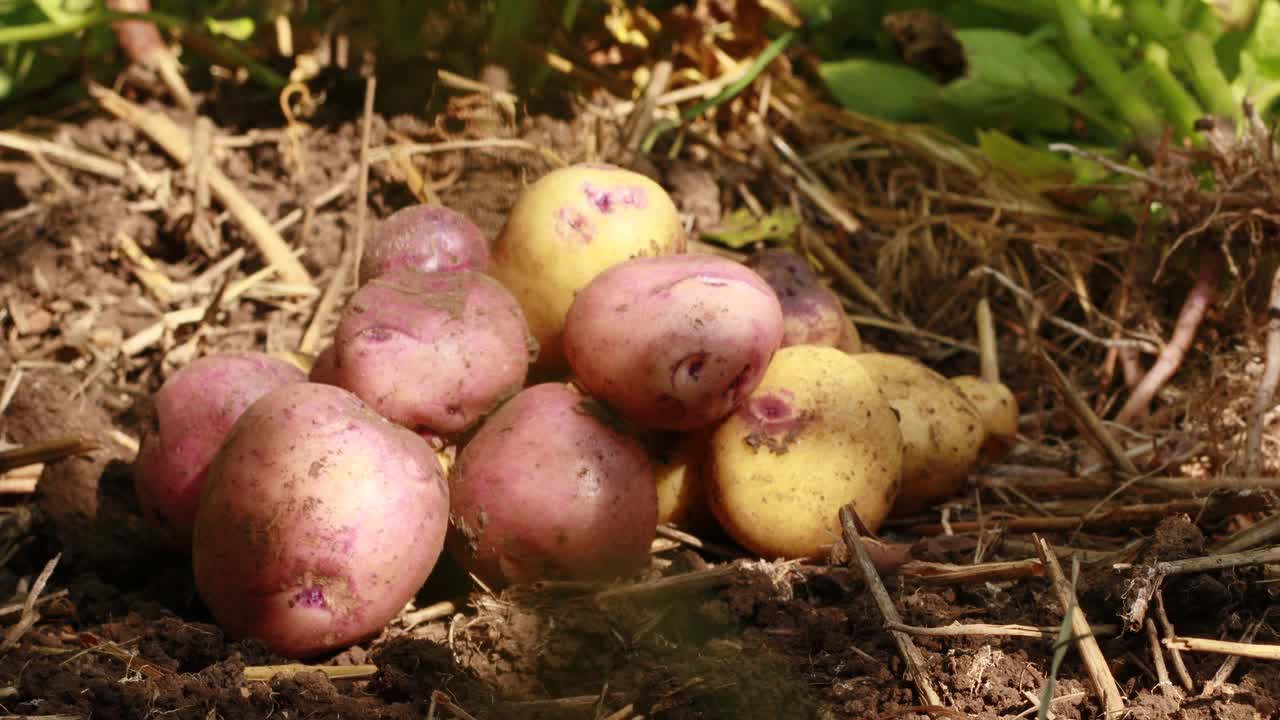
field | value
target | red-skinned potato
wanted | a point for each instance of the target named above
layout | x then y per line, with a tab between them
550	488
812	311
429	238
194	410
673	342
435	351
569	226
319	521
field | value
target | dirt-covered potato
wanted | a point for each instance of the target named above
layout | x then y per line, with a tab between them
550	488
942	430
999	410
813	437
812	311
429	238
194	410
679	470
569	226
673	342
435	351
319	521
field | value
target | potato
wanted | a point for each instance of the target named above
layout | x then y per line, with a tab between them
434	352
673	342
679	469
429	238
941	428
319	521
999	410
194	410
812	312
324	369
569	226
813	437
549	487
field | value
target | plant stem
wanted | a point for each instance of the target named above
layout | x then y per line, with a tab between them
1179	104
1193	51
1096	60
36	32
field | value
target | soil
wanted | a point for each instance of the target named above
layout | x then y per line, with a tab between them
130	637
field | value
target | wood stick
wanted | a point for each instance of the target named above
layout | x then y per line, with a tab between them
1260	556
71	157
929	573
1228	666
1224	647
266	673
1095	663
175	141
956	629
1263	531
1157	656
911	655
45	452
1175	654
1089	420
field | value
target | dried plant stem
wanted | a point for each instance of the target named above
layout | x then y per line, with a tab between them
1089	420
1179	665
929	573
851	279
1228	666
30	616
1224	647
45	452
71	157
1197	303
1157	657
987	351
266	673
911	655
985	629
1261	556
1267	383
1263	531
177	143
1095	662
686	582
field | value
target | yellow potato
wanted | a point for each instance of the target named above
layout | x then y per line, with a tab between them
814	436
999	410
942	430
569	226
679	470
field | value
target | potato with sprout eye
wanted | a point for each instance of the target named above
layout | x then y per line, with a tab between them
569	226
673	342
814	436
434	352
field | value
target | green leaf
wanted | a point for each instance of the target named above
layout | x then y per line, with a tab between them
1011	80
1041	167
741	228
239	29
886	90
1259	76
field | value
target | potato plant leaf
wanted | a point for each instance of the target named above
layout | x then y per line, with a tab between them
890	91
740	228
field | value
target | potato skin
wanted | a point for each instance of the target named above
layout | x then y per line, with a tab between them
319	522
812	312
814	436
434	352
998	407
679	470
673	342
195	408
427	237
569	226
942	430
547	488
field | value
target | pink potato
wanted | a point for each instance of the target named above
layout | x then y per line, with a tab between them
319	521
549	488
426	237
194	410
324	369
812	311
434	352
673	342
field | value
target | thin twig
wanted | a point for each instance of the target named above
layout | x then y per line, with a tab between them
1157	656
1095	663
1267	383
1090	421
267	673
45	452
957	629
1175	654
686	582
1263	531
71	157
1224	647
911	655
930	573
1261	556
1228	666
29	614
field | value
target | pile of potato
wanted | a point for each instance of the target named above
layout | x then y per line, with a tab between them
667	386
